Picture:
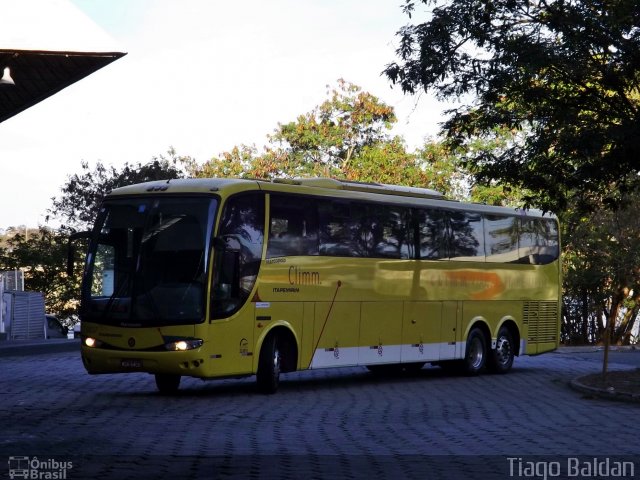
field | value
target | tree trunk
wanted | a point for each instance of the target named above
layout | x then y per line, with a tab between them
611	320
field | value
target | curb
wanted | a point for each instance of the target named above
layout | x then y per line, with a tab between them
595	349
10	348
608	394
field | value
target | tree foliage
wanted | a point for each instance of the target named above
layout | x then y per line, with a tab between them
348	136
337	130
602	273
562	73
42	257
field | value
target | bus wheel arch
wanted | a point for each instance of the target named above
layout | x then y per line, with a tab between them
278	354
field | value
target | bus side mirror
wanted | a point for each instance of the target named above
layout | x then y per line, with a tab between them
71	250
228	269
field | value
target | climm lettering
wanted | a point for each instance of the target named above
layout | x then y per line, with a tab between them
303	277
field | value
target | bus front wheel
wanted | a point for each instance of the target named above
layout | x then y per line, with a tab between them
476	352
269	365
167	384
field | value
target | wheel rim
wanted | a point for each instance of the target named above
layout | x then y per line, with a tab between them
476	353
503	351
276	363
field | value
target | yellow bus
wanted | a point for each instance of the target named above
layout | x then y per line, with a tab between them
213	278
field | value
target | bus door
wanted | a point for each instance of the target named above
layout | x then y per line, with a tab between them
238	253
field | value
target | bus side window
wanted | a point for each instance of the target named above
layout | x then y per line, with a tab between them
103	271
339	230
432	238
242	231
390	235
550	249
293	228
501	238
466	236
539	242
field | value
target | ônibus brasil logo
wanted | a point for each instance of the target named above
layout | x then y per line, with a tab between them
33	468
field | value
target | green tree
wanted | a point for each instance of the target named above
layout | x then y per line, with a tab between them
564	74
386	162
324	140
347	136
42	258
602	272
245	161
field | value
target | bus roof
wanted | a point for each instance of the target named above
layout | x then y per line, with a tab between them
395	194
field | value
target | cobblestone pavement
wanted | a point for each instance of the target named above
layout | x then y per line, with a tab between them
338	423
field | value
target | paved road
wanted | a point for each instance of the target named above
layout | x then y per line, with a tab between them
340	423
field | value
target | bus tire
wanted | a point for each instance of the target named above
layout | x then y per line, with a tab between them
476	352
501	359
269	365
167	384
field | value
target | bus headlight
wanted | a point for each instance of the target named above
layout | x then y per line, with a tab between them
92	342
182	345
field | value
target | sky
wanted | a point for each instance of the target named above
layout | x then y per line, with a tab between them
201	76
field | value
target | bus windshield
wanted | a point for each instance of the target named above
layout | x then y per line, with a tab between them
146	264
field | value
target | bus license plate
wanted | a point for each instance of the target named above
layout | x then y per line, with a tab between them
131	363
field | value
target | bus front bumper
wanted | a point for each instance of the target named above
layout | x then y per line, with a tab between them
99	360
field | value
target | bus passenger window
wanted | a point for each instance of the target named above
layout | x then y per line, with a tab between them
432	234
293	228
339	231
466	236
538	242
550	249
242	230
390	236
501	238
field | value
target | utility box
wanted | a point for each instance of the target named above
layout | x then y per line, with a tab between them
23	315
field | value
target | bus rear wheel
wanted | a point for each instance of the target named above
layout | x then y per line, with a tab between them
501	359
269	365
166	383
476	352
